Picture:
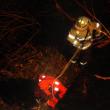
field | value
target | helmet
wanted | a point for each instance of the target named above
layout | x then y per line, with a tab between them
82	23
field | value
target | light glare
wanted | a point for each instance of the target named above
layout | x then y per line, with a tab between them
57	83
56	89
71	36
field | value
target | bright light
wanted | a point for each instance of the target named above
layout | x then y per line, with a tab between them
79	20
71	36
80	39
89	37
43	76
97	25
77	32
56	83
75	42
82	22
56	89
83	63
40	80
73	61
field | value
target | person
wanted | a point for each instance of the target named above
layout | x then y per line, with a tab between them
81	36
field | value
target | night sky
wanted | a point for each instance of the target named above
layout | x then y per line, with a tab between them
54	27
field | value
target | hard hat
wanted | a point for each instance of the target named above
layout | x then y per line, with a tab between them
82	23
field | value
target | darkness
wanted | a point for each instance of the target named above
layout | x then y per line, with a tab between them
54	27
17	91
